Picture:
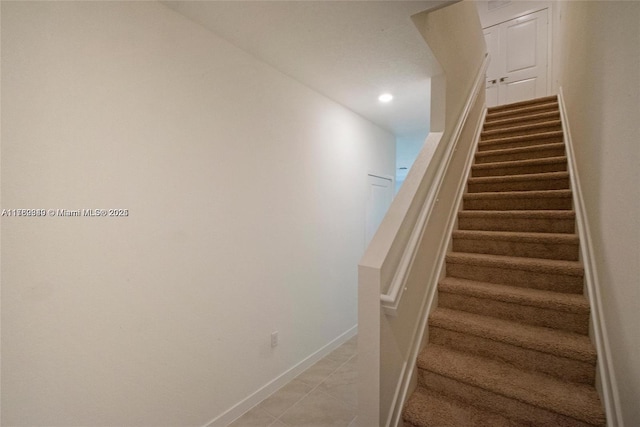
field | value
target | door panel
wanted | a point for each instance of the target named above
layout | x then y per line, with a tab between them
519	91
526	58
519	55
521	45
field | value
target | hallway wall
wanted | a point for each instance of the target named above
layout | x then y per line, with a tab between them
246	199
597	64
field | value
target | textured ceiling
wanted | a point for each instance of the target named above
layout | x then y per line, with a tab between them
350	51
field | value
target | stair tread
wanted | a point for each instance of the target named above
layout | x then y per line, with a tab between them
518	138
520	163
526	194
520	128
559	301
519	150
528	102
546	340
578	401
517	243
524	110
426	408
535	115
571	268
524	214
521	177
553	220
518	236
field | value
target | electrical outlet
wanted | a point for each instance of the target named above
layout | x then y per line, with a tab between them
274	338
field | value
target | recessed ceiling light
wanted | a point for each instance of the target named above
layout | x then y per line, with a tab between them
385	97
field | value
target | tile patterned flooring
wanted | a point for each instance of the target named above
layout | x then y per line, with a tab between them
322	396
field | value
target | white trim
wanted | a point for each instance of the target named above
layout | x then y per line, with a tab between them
274	385
396	408
391	299
609	387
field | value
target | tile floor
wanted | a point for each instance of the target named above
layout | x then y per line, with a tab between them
322	396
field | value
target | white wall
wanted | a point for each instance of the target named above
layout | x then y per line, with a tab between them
246	196
597	59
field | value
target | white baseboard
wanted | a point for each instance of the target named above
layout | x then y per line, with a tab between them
606	379
236	411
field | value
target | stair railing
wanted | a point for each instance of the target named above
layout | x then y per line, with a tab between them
406	246
402	271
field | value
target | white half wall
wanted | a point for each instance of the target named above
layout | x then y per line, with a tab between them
246	199
597	63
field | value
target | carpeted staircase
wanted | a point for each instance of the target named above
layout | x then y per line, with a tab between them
508	343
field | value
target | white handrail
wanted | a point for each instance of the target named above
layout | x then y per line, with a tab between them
391	298
599	332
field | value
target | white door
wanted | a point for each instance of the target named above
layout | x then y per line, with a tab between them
519	56
492	38
379	200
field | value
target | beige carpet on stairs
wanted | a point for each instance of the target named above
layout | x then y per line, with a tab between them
508	343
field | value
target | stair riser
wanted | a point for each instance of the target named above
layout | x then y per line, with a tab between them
523	185
535	316
506	144
551	151
502	204
480	171
515	277
536	225
521	119
490	401
504	133
557	366
568	252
